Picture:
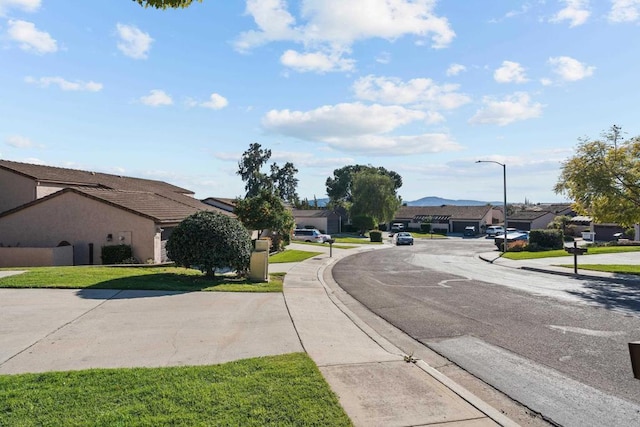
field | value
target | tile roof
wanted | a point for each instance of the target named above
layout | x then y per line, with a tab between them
528	215
75	177
157	207
455	212
312	213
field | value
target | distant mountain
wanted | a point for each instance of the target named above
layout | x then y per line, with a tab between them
439	201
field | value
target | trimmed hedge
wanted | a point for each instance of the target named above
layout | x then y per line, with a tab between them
375	235
546	239
116	254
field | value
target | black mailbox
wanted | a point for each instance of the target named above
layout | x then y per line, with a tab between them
578	251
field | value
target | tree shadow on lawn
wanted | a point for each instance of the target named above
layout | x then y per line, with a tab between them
617	293
156	285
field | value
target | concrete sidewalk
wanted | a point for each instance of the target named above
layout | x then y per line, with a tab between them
376	383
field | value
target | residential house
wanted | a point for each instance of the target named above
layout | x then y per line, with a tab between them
326	221
530	220
225	204
448	218
45	206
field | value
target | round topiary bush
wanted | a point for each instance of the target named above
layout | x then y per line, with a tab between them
210	241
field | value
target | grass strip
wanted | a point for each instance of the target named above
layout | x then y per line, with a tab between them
608	268
593	250
356	240
282	390
292	255
139	278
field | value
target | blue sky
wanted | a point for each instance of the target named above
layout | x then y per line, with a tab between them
422	87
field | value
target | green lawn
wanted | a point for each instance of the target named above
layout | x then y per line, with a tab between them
609	268
561	252
335	246
142	278
421	235
292	255
283	390
356	240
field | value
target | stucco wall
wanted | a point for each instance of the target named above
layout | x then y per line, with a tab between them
36	257
15	190
79	221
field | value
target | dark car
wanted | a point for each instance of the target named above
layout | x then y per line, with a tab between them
404	238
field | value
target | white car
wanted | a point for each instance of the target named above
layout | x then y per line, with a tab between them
494	230
310	235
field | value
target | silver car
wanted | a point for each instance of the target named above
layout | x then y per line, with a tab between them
404	238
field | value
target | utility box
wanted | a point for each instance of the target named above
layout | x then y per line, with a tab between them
259	264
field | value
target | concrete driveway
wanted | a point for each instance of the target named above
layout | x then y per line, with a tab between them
57	329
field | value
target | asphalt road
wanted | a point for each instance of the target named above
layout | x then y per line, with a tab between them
558	345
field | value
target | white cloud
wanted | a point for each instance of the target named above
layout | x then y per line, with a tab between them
510	72
316	61
383	58
570	69
422	91
30	38
63	84
341	120
455	69
510	109
18	141
358	128
215	102
576	12
332	26
624	11
26	5
134	42
156	98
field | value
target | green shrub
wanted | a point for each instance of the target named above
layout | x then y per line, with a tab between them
375	236
547	239
425	227
209	241
117	254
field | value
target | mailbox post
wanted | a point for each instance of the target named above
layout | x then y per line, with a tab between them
575	250
331	242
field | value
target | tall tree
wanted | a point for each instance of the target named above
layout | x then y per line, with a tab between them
285	181
603	178
339	187
374	195
250	170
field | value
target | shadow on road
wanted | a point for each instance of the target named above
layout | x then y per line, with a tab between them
618	295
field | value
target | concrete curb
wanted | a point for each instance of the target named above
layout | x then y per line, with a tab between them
460	391
582	274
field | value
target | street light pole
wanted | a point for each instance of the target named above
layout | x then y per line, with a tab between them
504	180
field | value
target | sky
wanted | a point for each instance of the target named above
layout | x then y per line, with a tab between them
421	87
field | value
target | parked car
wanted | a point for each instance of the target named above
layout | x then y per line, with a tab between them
310	235
404	238
494	230
397	226
469	230
514	238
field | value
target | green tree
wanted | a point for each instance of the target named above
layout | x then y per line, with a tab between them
374	194
210	241
603	178
340	186
250	170
281	179
363	223
164	4
266	211
285	182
